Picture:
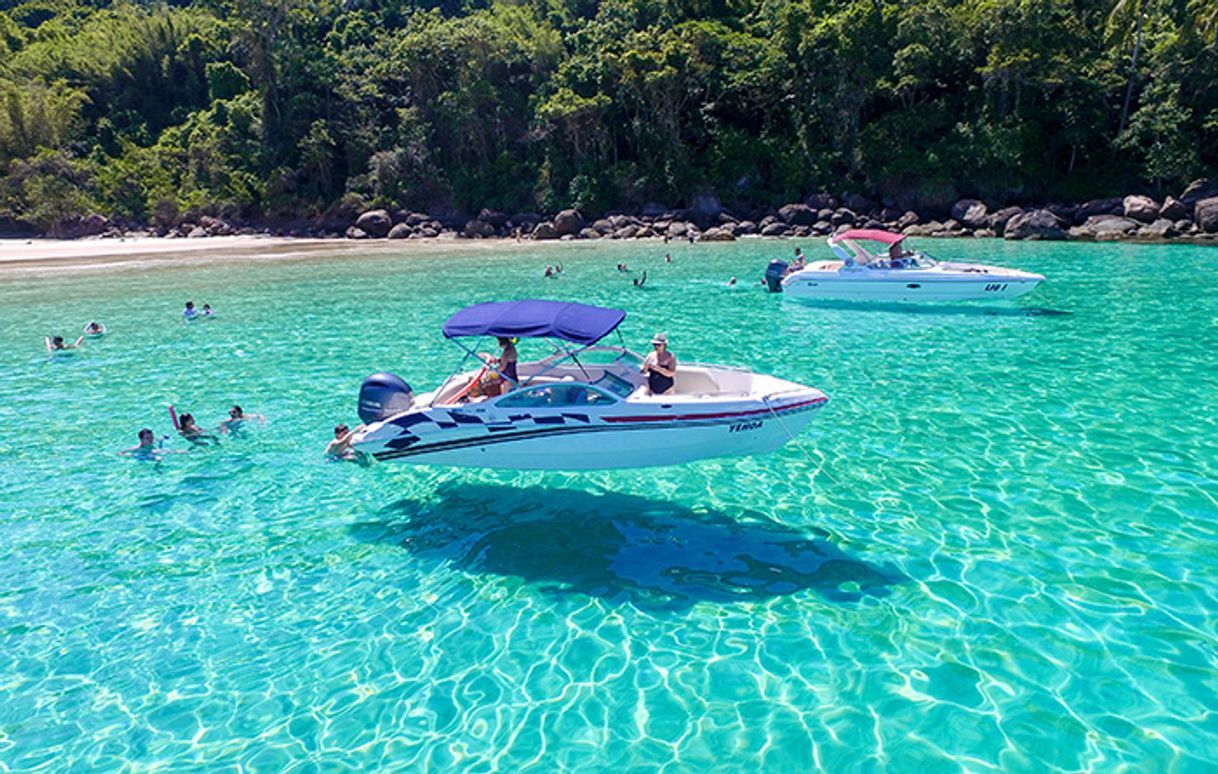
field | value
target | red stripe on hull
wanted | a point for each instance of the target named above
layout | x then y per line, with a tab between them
723	415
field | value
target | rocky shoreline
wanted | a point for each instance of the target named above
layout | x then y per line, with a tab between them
1190	217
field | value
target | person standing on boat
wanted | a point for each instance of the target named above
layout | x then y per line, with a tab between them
661	367
507	365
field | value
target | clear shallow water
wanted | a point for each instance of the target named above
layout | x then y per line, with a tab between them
997	546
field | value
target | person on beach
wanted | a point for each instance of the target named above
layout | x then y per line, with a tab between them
340	447
237	418
190	313
188	429
508	358
57	344
660	366
638	283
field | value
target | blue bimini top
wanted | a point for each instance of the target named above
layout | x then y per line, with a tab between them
578	323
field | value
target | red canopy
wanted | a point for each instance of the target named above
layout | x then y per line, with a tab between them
874	234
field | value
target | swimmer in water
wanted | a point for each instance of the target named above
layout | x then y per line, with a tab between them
731	282
549	272
193	433
340	447
148	448
94	329
667	257
190	313
57	344
207	310
237	418
638	283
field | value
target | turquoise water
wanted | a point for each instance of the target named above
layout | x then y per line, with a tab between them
996	547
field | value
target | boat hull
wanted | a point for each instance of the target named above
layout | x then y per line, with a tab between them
664	435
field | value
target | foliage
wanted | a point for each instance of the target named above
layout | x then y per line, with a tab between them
156	112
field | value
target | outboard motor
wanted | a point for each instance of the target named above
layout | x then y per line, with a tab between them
774	274
383	395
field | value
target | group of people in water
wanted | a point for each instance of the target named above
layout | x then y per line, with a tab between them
95	329
190	313
149	447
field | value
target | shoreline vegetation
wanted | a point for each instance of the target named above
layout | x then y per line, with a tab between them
561	119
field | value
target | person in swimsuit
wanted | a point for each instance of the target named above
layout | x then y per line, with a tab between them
237	418
660	366
57	344
507	365
145	449
340	447
193	433
207	310
190	313
94	328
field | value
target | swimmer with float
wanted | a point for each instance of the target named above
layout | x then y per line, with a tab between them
190	430
95	330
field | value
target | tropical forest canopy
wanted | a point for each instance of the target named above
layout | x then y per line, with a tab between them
237	108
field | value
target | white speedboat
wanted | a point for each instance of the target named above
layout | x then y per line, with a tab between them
874	265
584	407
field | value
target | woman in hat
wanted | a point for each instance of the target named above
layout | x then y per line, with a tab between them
661	367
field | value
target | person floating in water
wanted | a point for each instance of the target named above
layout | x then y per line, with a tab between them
190	313
732	282
549	272
638	283
57	344
188	429
237	418
94	329
207	310
660	366
340	448
667	257
622	268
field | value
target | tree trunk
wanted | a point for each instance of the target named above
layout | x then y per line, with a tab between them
1133	71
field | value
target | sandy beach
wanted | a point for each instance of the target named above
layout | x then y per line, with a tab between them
65	255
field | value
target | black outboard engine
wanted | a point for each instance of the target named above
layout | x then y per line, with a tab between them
383	395
774	274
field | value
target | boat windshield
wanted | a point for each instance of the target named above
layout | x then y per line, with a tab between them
615	384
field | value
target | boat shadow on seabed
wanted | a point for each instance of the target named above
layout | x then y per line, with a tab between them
618	546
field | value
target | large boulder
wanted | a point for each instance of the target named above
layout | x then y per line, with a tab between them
589	233
717	234
999	220
1109	228
375	223
400	231
1174	209
1140	208
774	229
1157	231
822	201
604	225
797	214
1036	224
356	233
478	229
704	209
568	222
1198	190
1205	213
905	221
494	217
544	230
746	227
1095	207
843	217
971	213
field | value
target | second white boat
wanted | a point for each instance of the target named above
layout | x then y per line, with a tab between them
874	265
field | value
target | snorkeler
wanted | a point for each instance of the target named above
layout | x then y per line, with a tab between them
237	418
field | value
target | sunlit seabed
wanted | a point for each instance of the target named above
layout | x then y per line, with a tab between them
997	546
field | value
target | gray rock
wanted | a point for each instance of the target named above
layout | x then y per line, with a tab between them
1174	209
1095	207
825	213
626	232
797	214
905	221
198	232
1037	224
75	228
1205	213
1160	229
476	229
843	217
917	230
984	233
746	227
645	232
774	229
1141	208
1000	219
1198	190
544	230
356	233
1185	226
717	234
589	233
970	212
677	229
604	225
822	227
767	220
374	223
801	231
1110	228
568	222
400	231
